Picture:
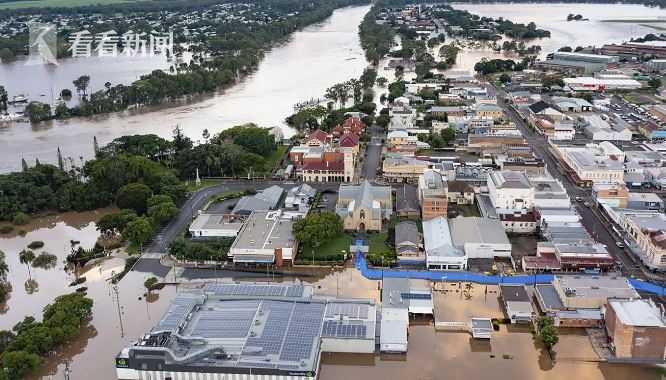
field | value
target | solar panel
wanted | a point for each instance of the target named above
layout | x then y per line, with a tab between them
303	329
416	296
339	329
255	290
181	306
351	310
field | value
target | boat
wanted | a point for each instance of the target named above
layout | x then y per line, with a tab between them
18	99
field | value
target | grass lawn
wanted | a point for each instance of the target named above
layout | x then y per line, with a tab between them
330	251
379	249
466	210
59	3
275	157
192	185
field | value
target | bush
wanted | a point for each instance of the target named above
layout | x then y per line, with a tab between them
6	229
36	244
45	260
21	218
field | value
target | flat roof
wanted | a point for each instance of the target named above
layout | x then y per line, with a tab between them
265	230
247	326
638	312
207	221
548	297
514	293
477	230
595	287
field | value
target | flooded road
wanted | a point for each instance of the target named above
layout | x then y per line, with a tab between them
301	68
553	17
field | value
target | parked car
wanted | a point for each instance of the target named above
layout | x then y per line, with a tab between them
619	244
587	204
579	199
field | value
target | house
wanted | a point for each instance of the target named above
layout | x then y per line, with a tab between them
408	243
351	125
318	138
265	238
432	194
460	193
299	197
480	238
267	199
636	330
517	303
399	300
401	142
550	304
364	207
406	202
440	252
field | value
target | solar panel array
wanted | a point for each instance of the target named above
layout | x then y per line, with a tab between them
233	321
270	340
180	307
304	328
416	296
339	329
255	290
355	311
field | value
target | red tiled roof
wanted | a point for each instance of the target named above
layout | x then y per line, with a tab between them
319	135
335	166
348	140
352	122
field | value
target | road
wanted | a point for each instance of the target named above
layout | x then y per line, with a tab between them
373	153
599	229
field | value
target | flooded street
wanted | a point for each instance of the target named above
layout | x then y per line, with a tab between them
302	68
553	17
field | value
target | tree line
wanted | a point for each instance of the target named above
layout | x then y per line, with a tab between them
23	348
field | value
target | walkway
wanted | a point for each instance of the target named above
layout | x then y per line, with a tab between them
378	274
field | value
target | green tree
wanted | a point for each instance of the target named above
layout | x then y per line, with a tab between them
134	196
138	231
505	78
26	257
81	84
317	228
37	111
20	364
448	135
4	269
150	283
548	333
4	98
654	82
381	81
162	213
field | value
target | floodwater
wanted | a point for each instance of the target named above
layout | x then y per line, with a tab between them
553	17
300	69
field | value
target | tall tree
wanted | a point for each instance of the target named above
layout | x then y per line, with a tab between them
26	257
61	162
4	98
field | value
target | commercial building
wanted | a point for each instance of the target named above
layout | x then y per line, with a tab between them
577	62
510	192
398	168
601	128
267	199
480	238
401	297
646	233
636	330
591	292
299	197
209	225
594	163
265	238
551	305
549	193
566	104
492	111
460	193
364	207
517	303
441	254
636	49
399	141
611	194
584	84
432	194
248	331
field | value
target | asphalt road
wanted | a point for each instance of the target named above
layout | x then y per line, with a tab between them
599	229
373	154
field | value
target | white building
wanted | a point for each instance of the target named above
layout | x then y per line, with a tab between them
299	197
510	192
265	238
594	163
215	225
480	238
549	193
601	128
441	254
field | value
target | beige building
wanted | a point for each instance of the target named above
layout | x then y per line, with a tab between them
489	110
591	292
398	168
432	192
648	230
364	207
636	330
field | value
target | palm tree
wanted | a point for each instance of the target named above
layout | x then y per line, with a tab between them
26	257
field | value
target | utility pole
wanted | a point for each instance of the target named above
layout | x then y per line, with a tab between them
67	371
120	316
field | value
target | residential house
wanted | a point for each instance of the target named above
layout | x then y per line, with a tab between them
364	207
398	168
408	243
